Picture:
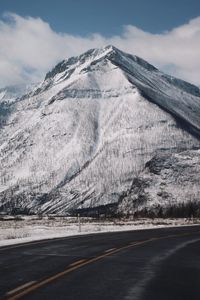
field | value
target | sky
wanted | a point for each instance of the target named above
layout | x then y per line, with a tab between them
35	35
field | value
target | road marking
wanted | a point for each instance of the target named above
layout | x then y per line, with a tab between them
139	243
21	287
27	244
77	262
61	274
109	250
41	242
84	263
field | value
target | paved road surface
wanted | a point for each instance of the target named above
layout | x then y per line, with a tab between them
159	264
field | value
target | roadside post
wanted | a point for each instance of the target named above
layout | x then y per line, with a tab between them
79	223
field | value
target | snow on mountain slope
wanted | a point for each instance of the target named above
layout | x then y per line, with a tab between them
169	185
81	137
11	93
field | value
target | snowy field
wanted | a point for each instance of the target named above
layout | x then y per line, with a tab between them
14	230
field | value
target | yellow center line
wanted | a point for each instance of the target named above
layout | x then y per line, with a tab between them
69	270
80	264
21	287
77	262
109	250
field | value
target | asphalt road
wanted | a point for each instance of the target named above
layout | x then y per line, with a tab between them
159	264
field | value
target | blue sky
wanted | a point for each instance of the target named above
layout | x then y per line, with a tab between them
107	17
35	35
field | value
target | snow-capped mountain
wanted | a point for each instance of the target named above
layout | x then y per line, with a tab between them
81	137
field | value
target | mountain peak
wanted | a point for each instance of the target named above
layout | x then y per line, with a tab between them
91	56
88	56
110	48
145	77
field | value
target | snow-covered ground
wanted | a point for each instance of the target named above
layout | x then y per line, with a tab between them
27	229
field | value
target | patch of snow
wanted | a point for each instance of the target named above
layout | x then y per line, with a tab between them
30	229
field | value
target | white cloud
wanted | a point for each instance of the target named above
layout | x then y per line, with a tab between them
29	48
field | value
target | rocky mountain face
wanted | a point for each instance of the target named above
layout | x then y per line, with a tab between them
167	187
91	131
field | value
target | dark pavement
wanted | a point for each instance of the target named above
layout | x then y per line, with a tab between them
158	264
